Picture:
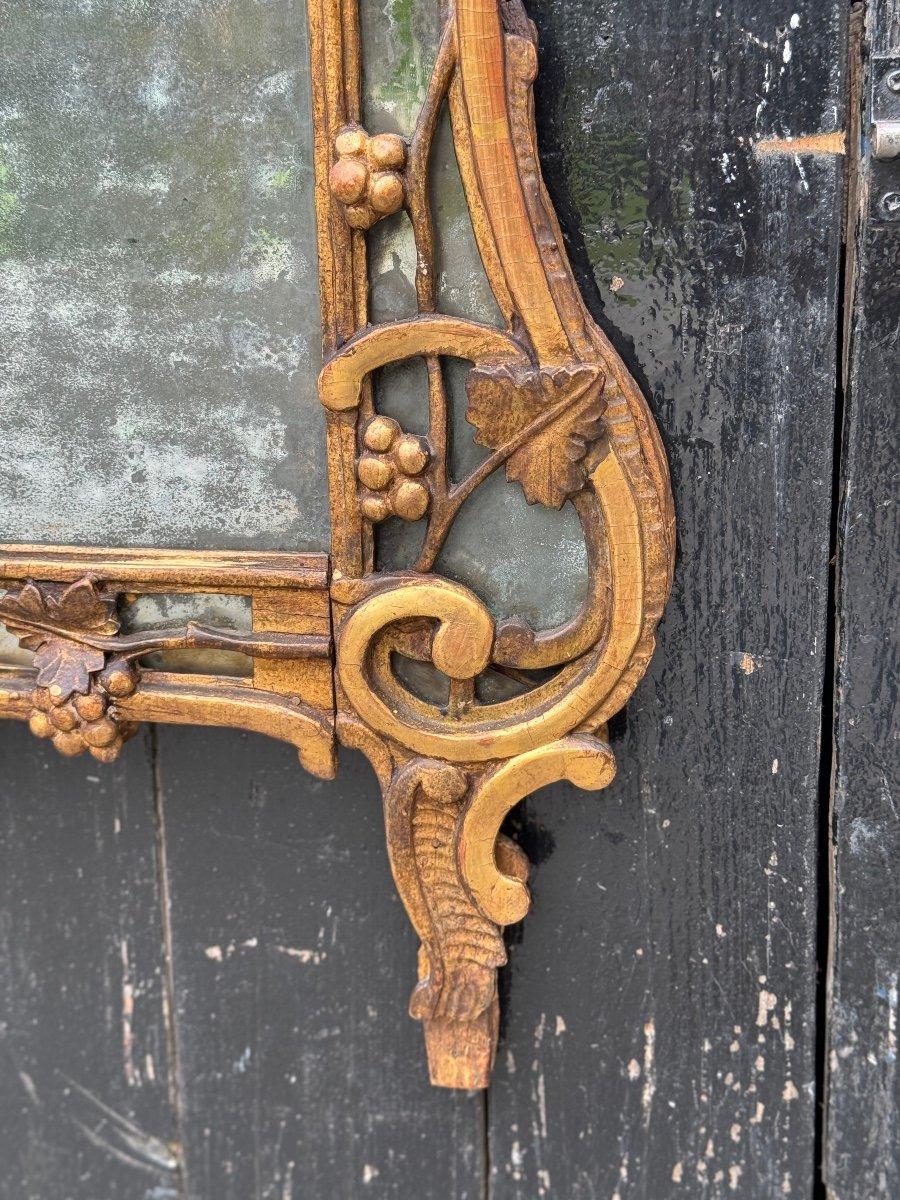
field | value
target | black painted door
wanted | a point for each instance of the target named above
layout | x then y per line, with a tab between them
204	968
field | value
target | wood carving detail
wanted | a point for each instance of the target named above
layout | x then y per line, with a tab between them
555	417
70	630
555	408
366	178
87	684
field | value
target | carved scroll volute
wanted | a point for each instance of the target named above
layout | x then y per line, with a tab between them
559	412
500	894
556	410
462	881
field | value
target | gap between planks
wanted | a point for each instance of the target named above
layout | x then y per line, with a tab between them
173	1075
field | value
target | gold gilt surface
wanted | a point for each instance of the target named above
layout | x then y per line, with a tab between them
555	409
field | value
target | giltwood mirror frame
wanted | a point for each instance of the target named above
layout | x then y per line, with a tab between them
556	409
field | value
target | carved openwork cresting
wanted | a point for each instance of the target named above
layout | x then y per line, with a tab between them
556	410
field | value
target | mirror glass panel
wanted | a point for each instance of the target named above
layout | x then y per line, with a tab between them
159	315
522	560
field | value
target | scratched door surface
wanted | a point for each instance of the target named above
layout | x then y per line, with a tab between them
204	969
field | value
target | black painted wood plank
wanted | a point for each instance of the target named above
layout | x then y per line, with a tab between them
659	1038
302	1074
863	1128
83	1052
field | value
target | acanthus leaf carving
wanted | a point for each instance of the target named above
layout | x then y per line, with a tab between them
461	948
556	408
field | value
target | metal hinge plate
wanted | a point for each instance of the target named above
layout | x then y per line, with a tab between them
884	137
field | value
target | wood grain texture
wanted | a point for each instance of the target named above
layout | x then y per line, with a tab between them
862	1147
83	1051
660	1031
153	569
659	1034
292	961
343	282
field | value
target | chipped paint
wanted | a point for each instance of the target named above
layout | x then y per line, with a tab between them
302	955
767	1003
827	144
30	1090
131	1075
649	1089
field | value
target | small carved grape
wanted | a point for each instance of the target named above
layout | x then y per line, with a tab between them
119	677
86	721
367	177
388	469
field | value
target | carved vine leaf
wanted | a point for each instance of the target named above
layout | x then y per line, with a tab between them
42	617
505	400
66	667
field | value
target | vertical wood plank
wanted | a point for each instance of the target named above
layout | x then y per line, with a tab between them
659	1036
83	1053
862	1149
302	1073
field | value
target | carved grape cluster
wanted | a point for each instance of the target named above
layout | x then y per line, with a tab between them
389	470
86	721
367	176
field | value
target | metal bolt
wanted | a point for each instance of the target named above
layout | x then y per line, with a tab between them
886	139
890	204
892	80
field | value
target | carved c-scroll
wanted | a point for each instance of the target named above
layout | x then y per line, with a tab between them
502	730
580	760
557	411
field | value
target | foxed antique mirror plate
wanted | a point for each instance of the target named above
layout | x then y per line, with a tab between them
333	450
159	278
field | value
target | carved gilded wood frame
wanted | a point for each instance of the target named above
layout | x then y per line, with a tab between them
558	412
